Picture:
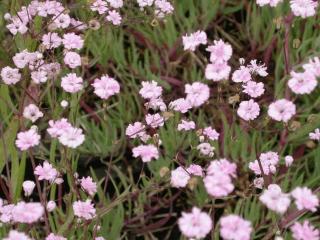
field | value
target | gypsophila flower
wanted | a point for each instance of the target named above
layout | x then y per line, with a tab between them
248	110
72	41
258	182
197	93
195	170
304	231
72	59
88	185
115	3
303	8
154	120
217	71
305	199
114	17
15	235
219	51
206	149
190	42
52	236
218	184
313	66
51	40
51	205
39	76
315	135
186	125
180	105
84	209
242	74
27	212
46	172
302	83
195	224
27	139
58	127
288	160
222	165
255	68
146	152
150	90
275	199
100	6
179	177
271	3
72	83
72	137
234	227
136	129
32	112
145	3
253	89
28	187
282	110
62	21
210	133
10	75
106	87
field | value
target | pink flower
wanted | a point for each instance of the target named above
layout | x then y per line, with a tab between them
155	120
248	110
46	172
135	130
196	224
84	209
163	8
114	17
27	139
150	90
21	59
197	93
195	170
27	212
115	3
313	66
51	205
268	160
222	165
15	235
304	231
106	87
72	41
234	227
144	3
206	149
39	76
315	135
272	3
156	104
71	83
253	89
51	40
282	110
6	213
218	185
302	83
180	105
32	112
303	8
100	6
211	133
146	152
57	128
217	71
28	187
186	125
275	199
190	42
51	236
72	59
241	75
10	76
270	157
62	20
255	68
88	185
72	137
179	177
288	160
220	51
305	199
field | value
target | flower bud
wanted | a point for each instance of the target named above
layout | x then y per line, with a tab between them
28	187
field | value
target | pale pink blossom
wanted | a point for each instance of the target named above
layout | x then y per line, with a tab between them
258	182
10	76
150	90
27	212
193	40
305	199
253	89
270	157
21	59
282	110
114	17
242	74
163	8
72	59
136	129
146	152
197	93
115	3
39	76
195	169
46	172
51	40
220	51
206	149
302	83
156	104
186	125
88	185
275	199
32	112
27	139
72	83
99	6
304	231
218	185
145	3
195	224
210	133
248	110
72	137
271	3
72	41
303	8
222	165
315	135
6	213
52	236
15	235
106	87
313	66
28	187
288	160
51	205
180	105
179	177
84	209
259	69
234	227
154	120
58	127
62	20
217	71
